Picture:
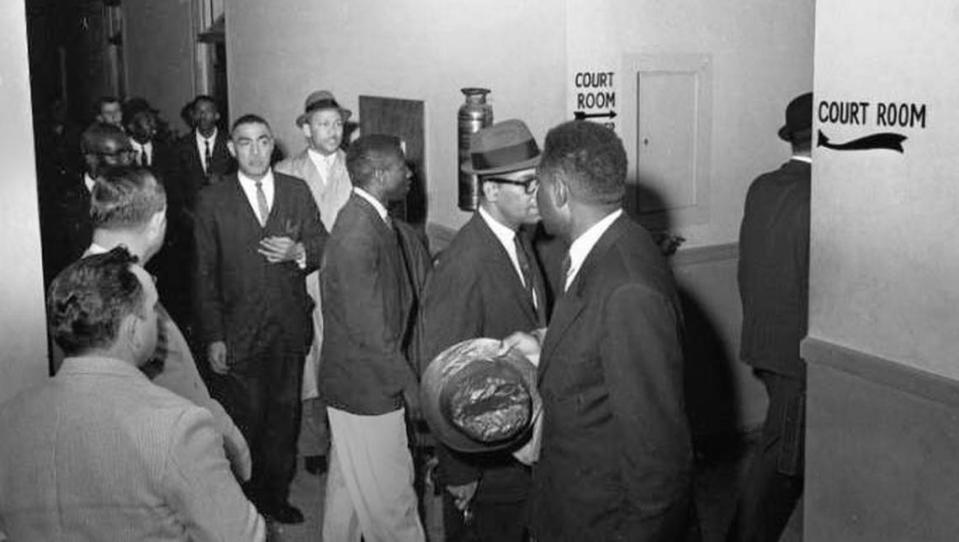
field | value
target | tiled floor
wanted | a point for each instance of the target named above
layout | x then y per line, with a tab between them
719	469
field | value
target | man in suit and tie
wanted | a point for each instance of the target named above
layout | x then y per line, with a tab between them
616	460
367	378
258	234
67	229
128	209
487	283
202	154
323	166
99	452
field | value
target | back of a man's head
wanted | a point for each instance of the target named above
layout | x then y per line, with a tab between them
369	154
88	300
126	197
591	158
94	138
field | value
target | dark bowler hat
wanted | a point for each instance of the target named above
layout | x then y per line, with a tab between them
502	148
798	118
321	99
476	399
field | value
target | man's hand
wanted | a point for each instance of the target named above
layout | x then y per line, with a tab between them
527	344
216	354
280	249
463	494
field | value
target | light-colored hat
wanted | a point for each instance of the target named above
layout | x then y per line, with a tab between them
476	399
502	148
321	99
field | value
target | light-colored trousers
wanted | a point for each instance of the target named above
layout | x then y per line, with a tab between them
369	486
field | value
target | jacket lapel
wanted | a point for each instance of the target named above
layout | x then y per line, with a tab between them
502	266
243	203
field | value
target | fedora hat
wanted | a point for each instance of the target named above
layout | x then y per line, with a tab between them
502	148
321	99
477	399
798	118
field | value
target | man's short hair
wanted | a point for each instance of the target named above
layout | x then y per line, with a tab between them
592	158
126	197
91	142
135	106
203	98
249	118
88	300
369	154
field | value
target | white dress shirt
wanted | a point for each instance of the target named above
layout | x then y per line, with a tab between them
89	182
380	209
143	151
583	245
201	146
505	235
323	164
249	188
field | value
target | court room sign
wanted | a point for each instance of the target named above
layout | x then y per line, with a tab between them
883	119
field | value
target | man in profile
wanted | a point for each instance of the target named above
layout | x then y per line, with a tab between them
258	234
370	289
99	452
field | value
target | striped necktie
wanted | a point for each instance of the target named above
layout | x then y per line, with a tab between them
262	204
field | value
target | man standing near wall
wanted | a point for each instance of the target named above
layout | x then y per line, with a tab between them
616	458
323	166
370	283
774	287
258	234
488	283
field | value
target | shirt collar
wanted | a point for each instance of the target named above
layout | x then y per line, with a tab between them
501	231
807	159
89	181
583	245
266	180
200	139
380	209
99	365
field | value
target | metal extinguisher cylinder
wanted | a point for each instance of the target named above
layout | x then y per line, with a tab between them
473	115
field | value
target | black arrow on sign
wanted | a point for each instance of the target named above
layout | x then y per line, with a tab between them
886	140
582	115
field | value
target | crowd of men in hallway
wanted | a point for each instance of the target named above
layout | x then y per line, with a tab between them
293	314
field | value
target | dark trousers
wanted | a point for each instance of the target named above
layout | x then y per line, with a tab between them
261	392
491	521
775	480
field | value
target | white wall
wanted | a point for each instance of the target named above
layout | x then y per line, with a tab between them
23	346
159	54
885	260
413	49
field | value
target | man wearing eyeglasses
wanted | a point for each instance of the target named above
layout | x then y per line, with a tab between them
488	283
323	166
102	145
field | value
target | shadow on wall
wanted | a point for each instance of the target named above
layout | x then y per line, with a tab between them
706	283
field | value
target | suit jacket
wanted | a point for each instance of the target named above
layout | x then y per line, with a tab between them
238	292
370	297
100	453
189	166
774	269
75	226
475	291
616	457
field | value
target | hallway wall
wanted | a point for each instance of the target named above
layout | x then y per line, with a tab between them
23	344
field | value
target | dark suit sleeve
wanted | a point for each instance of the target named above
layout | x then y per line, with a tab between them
207	277
359	288
313	235
642	362
452	312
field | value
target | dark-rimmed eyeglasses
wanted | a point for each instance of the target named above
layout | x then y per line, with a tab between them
529	184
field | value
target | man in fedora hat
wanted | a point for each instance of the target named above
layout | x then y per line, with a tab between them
323	166
774	286
488	283
616	457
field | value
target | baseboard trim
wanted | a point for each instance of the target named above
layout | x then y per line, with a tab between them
881	371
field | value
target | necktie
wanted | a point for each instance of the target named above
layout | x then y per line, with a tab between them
139	155
522	257
207	158
261	203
